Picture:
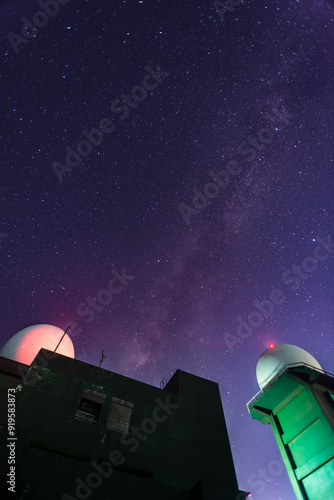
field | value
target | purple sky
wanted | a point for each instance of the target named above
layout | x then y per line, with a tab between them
209	191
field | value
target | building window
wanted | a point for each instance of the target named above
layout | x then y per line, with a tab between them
90	407
119	415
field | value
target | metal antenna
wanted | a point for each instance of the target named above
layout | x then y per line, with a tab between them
103	356
61	339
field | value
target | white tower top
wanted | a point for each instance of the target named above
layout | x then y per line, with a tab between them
273	359
26	344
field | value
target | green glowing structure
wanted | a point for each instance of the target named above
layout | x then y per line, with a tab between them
297	400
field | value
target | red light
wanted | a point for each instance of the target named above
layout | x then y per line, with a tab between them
271	346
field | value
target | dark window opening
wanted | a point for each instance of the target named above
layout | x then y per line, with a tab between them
90	407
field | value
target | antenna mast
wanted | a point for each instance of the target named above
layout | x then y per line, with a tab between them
61	339
103	356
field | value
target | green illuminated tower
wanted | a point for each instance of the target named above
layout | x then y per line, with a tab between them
297	400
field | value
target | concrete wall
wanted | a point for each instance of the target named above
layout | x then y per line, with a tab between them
177	446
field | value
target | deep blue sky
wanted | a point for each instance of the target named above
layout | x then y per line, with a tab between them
225	80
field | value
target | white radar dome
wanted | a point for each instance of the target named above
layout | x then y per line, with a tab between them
273	359
26	344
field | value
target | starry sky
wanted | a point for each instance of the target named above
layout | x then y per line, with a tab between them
126	236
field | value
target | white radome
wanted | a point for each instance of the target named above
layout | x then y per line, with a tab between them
273	359
26	344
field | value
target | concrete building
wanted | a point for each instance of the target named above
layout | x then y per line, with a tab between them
297	400
85	432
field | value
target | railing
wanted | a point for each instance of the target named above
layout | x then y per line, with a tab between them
82	415
282	370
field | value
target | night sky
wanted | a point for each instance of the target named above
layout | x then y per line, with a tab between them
244	96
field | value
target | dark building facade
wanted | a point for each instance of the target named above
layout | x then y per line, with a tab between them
87	433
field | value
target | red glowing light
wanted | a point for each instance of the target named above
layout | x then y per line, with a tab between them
26	344
271	346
